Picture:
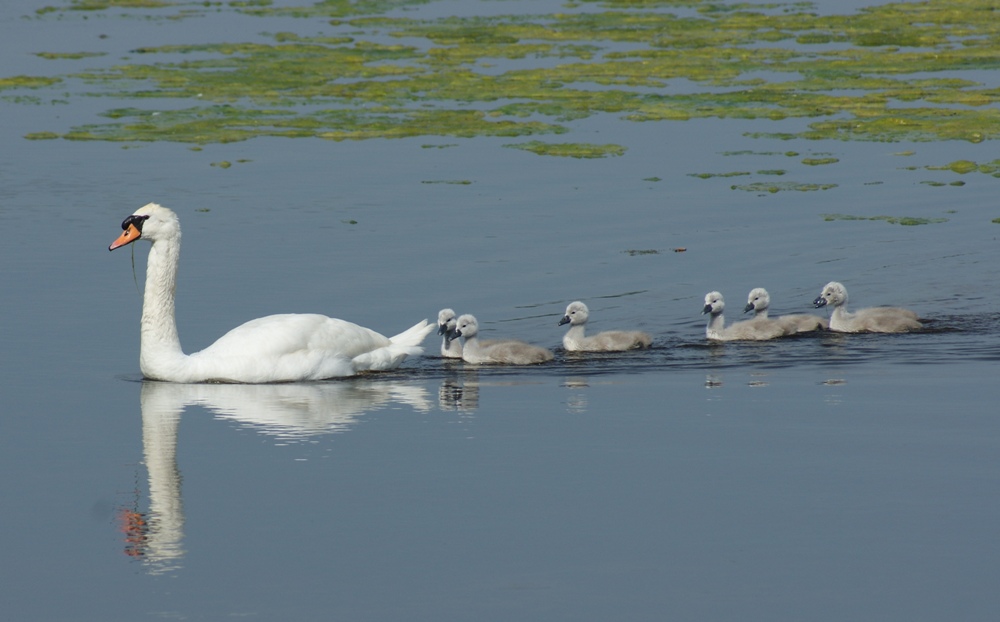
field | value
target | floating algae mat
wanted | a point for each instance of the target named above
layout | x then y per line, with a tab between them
575	150
770	187
893	220
886	73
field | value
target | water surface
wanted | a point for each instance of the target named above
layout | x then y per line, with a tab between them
824	477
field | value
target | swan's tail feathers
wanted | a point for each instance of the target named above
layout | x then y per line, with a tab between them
414	336
406	343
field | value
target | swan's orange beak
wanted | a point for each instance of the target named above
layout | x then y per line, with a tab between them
129	235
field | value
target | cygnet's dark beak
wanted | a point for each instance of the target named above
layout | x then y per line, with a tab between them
442	329
819	302
748	308
565	320
707	309
454	334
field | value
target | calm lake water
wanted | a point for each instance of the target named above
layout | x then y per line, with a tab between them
826	477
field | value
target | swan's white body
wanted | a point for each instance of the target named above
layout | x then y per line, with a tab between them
759	300
501	351
575	339
870	320
757	329
276	348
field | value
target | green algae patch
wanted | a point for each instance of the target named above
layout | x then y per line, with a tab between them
27	82
907	221
41	136
963	167
101	5
351	125
960	166
227	124
819	161
68	55
773	188
711	175
337	8
941	184
885	73
751	152
569	150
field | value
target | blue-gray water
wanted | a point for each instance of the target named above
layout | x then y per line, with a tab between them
827	477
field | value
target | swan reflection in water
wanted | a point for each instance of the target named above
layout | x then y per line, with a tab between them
576	399
459	391
285	411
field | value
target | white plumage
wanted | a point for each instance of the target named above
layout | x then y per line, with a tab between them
450	348
276	348
502	351
759	300
575	339
871	320
757	329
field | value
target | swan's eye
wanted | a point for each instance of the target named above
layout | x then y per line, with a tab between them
135	221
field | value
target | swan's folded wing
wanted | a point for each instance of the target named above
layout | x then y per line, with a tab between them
282	348
278	335
516	353
618	340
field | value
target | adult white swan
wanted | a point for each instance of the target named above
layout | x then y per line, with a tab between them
276	348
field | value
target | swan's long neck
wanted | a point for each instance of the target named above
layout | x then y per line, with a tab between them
575	335
716	321
471	347
451	347
159	345
161	415
840	316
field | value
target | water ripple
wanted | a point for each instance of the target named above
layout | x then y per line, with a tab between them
950	339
